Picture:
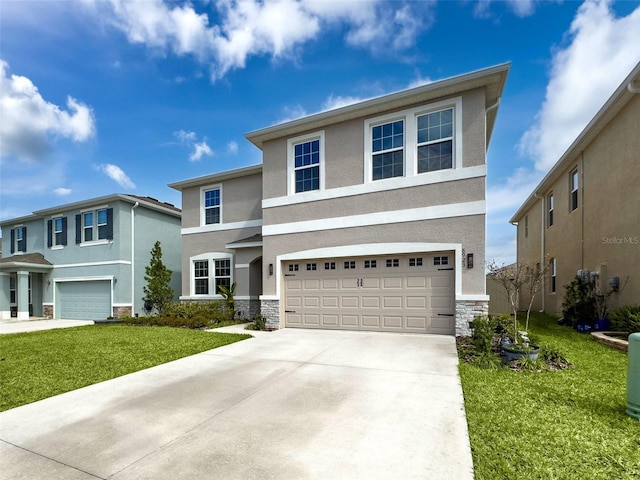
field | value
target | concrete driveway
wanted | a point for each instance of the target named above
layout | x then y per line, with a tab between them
17	326
292	404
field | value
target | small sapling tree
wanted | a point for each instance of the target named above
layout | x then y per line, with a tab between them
158	294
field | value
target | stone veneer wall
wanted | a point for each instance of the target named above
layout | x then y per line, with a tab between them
270	310
247	308
466	311
119	312
47	311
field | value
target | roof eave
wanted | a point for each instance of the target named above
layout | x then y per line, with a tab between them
449	86
216	177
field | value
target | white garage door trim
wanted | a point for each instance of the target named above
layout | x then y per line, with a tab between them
401	293
57	301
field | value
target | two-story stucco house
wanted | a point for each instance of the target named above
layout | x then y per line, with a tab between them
85	260
584	216
370	216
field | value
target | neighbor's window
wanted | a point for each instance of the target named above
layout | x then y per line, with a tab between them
388	150
201	276
370	264
94	225
312	267
393	262
329	265
307	166
223	274
19	239
435	141
212	200
441	260
550	210
574	190
553	269
415	262
12	288
294	267
350	265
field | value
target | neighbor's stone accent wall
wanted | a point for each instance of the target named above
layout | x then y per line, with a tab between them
119	312
466	311
270	310
47	311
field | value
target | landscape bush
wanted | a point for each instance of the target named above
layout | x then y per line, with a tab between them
188	315
625	319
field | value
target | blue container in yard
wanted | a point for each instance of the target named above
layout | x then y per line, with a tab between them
633	379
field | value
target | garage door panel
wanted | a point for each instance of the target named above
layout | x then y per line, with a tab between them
330	320
370	302
350	302
392	322
330	302
406	296
392	282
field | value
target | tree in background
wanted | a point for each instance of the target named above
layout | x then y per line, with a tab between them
158	293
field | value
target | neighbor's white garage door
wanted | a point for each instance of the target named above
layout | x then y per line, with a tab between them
402	293
89	300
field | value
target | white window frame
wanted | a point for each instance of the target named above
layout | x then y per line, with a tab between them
410	117
211	259
203	212
55	245
291	162
574	189
550	210
554	271
19	238
94	226
13	279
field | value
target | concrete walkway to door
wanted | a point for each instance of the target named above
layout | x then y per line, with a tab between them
291	404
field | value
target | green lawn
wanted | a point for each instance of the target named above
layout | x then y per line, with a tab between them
38	365
554	425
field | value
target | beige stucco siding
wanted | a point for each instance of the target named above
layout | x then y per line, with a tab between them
344	147
445	193
203	243
240	201
469	231
603	233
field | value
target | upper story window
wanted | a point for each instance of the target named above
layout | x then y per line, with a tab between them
307	166
388	150
550	210
435	141
414	141
19	240
212	200
57	232
305	160
94	226
574	190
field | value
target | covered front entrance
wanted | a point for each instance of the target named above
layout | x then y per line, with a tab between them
401	293
22	284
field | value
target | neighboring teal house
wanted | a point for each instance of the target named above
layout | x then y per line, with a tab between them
86	260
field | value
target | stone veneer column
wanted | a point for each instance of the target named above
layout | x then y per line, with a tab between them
466	311
47	311
270	310
119	312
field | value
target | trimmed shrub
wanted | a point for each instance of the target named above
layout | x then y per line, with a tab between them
626	319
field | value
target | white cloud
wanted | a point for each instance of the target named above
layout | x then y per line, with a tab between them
292	113
339	101
520	8
200	150
190	140
61	191
602	51
115	173
274	28
29	121
232	148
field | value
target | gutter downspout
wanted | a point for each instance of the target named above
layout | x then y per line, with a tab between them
133	255
633	88
543	228
582	208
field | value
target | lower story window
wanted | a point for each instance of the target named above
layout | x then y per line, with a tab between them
211	274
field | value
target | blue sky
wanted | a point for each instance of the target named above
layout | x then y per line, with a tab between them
114	96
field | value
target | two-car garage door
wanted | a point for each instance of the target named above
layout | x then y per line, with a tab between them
401	293
88	300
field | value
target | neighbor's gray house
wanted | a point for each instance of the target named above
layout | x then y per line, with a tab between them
366	217
583	218
85	260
